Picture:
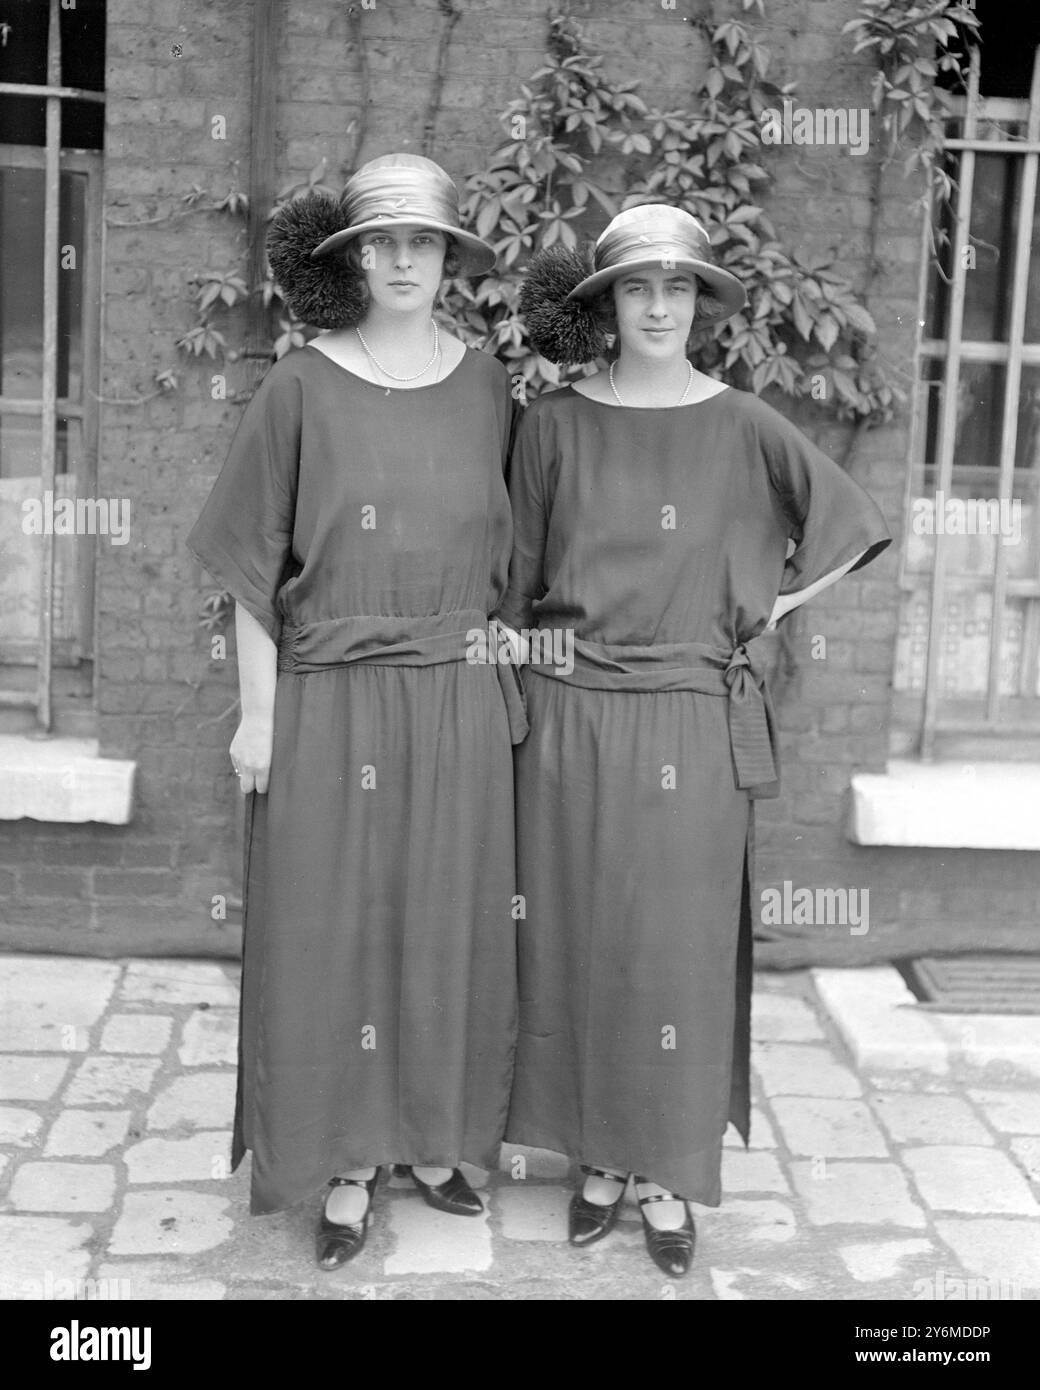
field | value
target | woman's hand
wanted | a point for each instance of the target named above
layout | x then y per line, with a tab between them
251	753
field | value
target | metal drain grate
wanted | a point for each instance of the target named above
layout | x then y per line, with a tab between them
976	984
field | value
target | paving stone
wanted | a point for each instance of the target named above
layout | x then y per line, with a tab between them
783	1018
202	1158
1010	1112
154	1280
732	1285
746	1221
147	1033
49	1003
63	1187
31	1078
954	1177
877	1015
433	1242
856	1194
1027	1151
883	1259
820	1126
38	1249
751	1171
203	1100
1001	1251
86	1133
178	982
210	1038
802	1069
537	1163
911	1118
108	1080
160	1223
533	1213
761	1134
984	1039
18	1126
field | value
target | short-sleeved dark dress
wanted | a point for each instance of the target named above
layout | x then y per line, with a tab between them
368	531
659	537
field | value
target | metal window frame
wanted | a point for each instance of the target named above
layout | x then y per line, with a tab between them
953	352
48	407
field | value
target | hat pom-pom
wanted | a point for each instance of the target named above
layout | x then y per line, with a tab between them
326	293
564	331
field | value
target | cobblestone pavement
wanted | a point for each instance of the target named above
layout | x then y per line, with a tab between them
116	1095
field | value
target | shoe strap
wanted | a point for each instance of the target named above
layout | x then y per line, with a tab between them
352	1182
603	1173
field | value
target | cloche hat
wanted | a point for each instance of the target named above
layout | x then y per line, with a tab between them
394	190
556	300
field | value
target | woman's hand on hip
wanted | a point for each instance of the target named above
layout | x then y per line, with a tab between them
251	753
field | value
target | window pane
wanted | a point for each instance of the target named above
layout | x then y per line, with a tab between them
22	559
20	451
21	284
964	644
980	402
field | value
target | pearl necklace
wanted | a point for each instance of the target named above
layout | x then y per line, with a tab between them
393	375
682	398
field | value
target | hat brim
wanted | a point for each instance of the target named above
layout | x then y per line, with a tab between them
476	256
725	287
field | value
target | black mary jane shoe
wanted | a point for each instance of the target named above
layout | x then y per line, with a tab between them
591	1221
671	1251
454	1195
337	1243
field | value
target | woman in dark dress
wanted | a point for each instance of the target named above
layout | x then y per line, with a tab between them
361	523
664	521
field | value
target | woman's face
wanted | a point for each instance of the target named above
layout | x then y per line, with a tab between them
655	309
403	266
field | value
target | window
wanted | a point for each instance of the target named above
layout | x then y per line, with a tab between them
967	675
51	128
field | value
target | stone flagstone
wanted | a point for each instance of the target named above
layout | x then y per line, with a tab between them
210	1038
18	1126
433	1242
802	1069
856	1194
49	1003
108	1080
148	1033
1010	1112
533	1213
35	1250
926	1119
882	1260
202	1100
31	1078
204	1157
783	1018
63	1187
1002	1251
958	1178
820	1126
177	1222
86	1133
751	1171
1027	1151
153	1280
178	982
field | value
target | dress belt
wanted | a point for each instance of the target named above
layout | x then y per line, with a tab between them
376	640
739	674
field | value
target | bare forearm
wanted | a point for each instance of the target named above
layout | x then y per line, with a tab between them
786	602
257	667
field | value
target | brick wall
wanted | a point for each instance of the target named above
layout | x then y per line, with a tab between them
173	65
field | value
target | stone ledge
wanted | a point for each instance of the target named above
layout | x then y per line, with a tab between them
63	780
961	805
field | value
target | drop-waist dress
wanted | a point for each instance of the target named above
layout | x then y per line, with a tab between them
657	538
368	531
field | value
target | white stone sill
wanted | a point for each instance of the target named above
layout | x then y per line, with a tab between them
955	805
63	779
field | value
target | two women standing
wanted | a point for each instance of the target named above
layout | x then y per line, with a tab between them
361	524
